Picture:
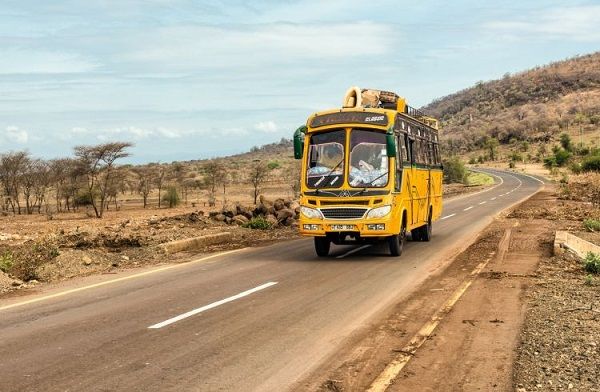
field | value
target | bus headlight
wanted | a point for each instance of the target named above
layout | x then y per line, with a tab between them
311	213
379	212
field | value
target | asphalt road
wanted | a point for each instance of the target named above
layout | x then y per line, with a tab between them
254	319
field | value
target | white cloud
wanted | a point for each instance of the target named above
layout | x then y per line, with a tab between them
579	23
29	61
193	46
17	135
266	127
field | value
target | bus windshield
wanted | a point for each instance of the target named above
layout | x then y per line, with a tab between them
368	159
326	157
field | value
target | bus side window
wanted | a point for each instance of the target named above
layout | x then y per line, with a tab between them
410	149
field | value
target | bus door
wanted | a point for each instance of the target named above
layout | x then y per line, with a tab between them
412	176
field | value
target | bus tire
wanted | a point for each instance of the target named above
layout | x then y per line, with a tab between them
396	242
426	231
322	245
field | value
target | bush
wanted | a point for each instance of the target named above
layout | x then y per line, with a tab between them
575	168
592	224
565	142
591	163
511	164
273	165
472	161
591	263
454	170
6	261
30	256
83	198
172	197
258	222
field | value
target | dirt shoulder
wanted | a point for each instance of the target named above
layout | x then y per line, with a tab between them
34	250
524	323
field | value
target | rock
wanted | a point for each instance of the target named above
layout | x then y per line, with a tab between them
279	204
240	220
289	221
272	211
284	214
271	219
248	215
220	218
153	220
261	209
125	257
265	201
17	282
193	217
212	214
86	260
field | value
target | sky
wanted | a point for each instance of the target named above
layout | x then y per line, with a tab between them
189	79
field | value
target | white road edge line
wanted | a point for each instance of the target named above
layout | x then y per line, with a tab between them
211	306
447	216
468	208
150	272
353	251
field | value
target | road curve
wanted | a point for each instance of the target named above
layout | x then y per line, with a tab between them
256	319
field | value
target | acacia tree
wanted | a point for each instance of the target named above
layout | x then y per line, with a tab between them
259	172
145	181
12	167
98	164
213	176
159	179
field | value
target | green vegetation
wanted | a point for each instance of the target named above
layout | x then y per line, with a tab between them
172	197
477	178
591	163
589	280
558	159
592	224
454	171
6	261
591	263
259	223
273	165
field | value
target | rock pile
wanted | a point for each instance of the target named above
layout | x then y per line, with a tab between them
278	213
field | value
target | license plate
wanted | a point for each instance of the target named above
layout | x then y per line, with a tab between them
343	227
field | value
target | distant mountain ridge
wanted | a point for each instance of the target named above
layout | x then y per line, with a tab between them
533	105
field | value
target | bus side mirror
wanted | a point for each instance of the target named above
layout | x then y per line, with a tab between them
299	142
390	144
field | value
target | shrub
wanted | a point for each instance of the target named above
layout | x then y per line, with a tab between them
258	222
592	224
591	163
6	261
575	168
512	164
454	170
591	263
472	161
565	142
273	165
172	197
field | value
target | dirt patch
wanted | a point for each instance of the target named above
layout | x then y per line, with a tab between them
49	251
560	346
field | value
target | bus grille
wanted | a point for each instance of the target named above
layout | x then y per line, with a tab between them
343	213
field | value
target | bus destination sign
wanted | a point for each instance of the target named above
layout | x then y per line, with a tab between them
349	117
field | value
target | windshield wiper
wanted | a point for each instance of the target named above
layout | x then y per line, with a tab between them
325	178
372	181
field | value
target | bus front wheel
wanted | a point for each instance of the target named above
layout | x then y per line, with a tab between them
322	245
396	242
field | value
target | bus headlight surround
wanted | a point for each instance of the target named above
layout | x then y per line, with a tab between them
379	212
311	213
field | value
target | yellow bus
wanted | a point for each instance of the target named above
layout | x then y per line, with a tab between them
370	171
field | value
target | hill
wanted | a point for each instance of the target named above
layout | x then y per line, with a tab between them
536	106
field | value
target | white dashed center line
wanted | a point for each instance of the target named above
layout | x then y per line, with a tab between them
210	306
468	208
483	202
493	198
447	216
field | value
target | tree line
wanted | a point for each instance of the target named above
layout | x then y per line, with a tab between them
93	178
